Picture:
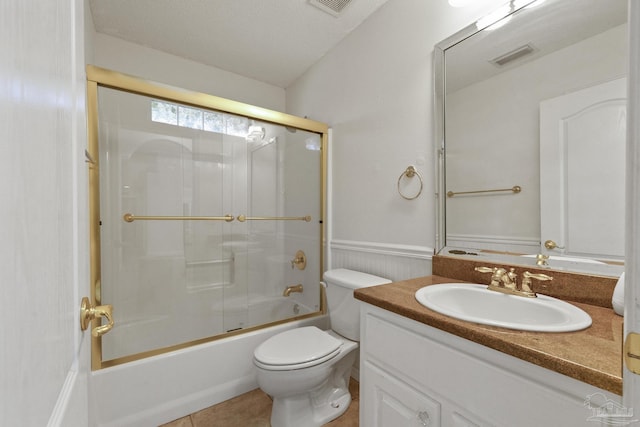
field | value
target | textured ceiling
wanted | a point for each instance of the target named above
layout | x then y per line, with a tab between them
274	41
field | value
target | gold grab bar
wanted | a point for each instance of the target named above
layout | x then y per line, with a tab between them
514	189
243	218
128	217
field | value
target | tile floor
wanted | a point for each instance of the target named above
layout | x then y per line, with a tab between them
253	409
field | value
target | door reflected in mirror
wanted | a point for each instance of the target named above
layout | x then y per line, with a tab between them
540	104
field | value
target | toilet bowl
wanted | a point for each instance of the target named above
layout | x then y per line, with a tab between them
306	370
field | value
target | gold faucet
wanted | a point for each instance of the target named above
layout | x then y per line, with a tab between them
542	260
505	281
290	289
500	278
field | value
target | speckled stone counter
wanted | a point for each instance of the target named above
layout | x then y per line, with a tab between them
593	355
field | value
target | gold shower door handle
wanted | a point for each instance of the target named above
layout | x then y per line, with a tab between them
89	312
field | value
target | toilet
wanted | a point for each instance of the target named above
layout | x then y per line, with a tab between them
306	370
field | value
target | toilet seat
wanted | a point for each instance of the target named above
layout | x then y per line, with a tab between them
296	349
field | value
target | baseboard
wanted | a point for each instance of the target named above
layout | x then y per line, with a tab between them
71	406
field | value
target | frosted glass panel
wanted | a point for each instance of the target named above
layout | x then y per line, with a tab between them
174	277
190	117
164	112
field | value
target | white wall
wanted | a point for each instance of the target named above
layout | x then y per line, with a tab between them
375	91
140	61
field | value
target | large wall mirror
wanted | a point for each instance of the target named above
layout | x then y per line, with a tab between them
531	130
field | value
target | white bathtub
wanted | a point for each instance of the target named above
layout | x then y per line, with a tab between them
261	310
150	330
162	388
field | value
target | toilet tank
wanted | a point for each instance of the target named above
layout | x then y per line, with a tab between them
343	308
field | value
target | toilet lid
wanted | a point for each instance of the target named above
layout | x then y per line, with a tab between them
297	346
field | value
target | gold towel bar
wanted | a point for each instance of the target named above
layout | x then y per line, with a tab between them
514	189
243	218
128	217
131	217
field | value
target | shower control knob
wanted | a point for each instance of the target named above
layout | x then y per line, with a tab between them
299	261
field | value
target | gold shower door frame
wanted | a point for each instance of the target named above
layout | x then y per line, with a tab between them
100	77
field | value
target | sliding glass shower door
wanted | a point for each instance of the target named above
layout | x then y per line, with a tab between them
201	214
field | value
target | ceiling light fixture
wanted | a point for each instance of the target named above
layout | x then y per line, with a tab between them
499	17
459	3
495	19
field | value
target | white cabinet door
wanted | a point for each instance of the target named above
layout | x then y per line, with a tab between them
391	402
415	375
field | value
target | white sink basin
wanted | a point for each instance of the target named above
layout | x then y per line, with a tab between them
568	259
474	303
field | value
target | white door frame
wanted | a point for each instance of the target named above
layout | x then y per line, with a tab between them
631	388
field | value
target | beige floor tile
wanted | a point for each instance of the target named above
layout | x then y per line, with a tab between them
181	422
351	417
253	409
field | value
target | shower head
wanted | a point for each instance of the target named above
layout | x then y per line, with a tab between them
255	133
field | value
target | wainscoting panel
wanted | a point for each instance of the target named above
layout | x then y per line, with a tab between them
395	262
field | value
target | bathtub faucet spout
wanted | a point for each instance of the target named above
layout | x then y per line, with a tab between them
290	289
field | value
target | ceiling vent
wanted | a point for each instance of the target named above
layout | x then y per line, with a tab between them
513	55
332	7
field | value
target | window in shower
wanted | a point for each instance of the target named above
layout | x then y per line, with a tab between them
197	213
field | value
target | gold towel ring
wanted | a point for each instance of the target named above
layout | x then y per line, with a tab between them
410	172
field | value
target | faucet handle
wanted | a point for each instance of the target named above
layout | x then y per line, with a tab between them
496	275
541	259
526	281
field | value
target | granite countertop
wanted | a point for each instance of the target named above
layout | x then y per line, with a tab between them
593	355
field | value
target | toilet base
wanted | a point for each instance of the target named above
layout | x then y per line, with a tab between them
294	412
313	396
322	404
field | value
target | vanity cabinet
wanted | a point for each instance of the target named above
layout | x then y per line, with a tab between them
415	375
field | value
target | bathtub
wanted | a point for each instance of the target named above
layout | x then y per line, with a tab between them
159	389
261	310
210	315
